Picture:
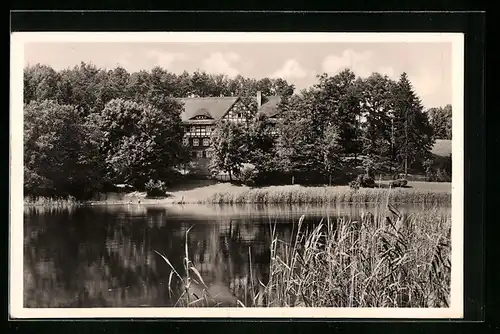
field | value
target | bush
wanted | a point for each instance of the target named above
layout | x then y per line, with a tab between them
155	188
248	176
442	176
398	183
354	185
365	181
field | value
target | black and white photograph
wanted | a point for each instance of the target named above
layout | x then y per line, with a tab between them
236	175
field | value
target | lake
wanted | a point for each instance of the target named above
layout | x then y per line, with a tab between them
108	256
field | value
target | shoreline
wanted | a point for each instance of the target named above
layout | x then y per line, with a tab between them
225	193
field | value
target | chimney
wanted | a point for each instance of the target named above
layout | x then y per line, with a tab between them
259	99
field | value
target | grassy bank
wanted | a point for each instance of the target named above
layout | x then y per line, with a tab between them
324	195
389	260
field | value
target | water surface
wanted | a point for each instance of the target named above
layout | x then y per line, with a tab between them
104	256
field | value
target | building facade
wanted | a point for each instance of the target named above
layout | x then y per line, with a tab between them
201	115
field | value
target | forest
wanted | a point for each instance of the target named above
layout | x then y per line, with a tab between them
87	128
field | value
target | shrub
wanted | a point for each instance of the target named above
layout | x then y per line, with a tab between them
365	181
398	183
248	175
442	176
354	185
155	188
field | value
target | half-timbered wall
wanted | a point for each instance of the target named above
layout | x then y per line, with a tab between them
237	113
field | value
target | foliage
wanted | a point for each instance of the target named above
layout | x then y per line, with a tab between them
337	101
61	156
377	111
299	136
262	145
141	141
355	185
155	188
229	148
365	181
413	138
89	88
247	175
441	121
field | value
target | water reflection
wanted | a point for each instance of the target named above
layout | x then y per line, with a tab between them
105	256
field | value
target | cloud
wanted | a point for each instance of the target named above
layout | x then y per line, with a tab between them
166	59
219	62
361	63
291	69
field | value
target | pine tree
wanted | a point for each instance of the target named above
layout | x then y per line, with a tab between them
412	138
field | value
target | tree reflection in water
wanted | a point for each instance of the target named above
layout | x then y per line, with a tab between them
104	256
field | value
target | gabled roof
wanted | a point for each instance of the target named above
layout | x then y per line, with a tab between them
214	108
211	107
269	105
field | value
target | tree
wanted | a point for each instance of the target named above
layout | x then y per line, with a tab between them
229	148
330	151
141	141
413	137
377	112
262	150
40	83
81	86
61	155
337	101
299	136
441	120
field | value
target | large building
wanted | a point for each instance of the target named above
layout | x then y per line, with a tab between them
201	115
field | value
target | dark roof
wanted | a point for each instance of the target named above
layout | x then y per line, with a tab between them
213	107
270	105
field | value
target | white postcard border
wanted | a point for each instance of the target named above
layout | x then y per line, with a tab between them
18	40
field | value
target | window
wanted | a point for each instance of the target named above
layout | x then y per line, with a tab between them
196	142
208	153
239	115
200	154
206	142
193	154
185	141
204	154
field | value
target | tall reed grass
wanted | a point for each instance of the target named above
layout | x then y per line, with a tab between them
384	260
50	202
380	261
324	195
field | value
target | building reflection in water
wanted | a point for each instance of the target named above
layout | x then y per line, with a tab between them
92	257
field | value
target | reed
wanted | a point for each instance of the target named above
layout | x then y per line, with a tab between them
403	261
388	259
51	202
195	293
327	195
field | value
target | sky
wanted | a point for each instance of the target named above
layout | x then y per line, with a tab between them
428	64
